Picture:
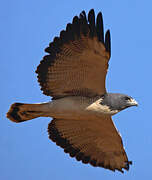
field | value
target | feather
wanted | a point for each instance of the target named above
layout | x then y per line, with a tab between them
54	47
69	31
64	37
99	28
76	26
83	23
91	19
108	42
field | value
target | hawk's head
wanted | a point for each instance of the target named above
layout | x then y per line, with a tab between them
116	101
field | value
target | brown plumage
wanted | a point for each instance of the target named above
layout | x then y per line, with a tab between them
76	58
89	142
74	74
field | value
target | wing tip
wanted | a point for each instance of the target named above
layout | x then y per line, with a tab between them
127	165
83	25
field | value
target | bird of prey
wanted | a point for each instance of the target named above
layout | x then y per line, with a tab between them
73	73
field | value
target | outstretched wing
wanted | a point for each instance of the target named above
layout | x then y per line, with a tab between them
91	141
78	60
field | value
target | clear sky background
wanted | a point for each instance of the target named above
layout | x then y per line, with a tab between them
26	28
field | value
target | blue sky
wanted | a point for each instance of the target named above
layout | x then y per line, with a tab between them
27	27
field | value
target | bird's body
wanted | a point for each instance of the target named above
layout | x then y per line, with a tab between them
74	74
76	107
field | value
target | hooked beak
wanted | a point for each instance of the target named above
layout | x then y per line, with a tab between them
133	102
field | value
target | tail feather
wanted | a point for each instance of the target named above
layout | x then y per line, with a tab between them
20	112
13	113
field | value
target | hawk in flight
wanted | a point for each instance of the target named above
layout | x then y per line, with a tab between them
73	73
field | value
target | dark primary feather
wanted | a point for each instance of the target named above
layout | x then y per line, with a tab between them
83	23
91	20
69	30
64	37
76	26
108	42
99	28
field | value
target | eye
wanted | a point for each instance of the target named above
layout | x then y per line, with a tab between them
127	98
